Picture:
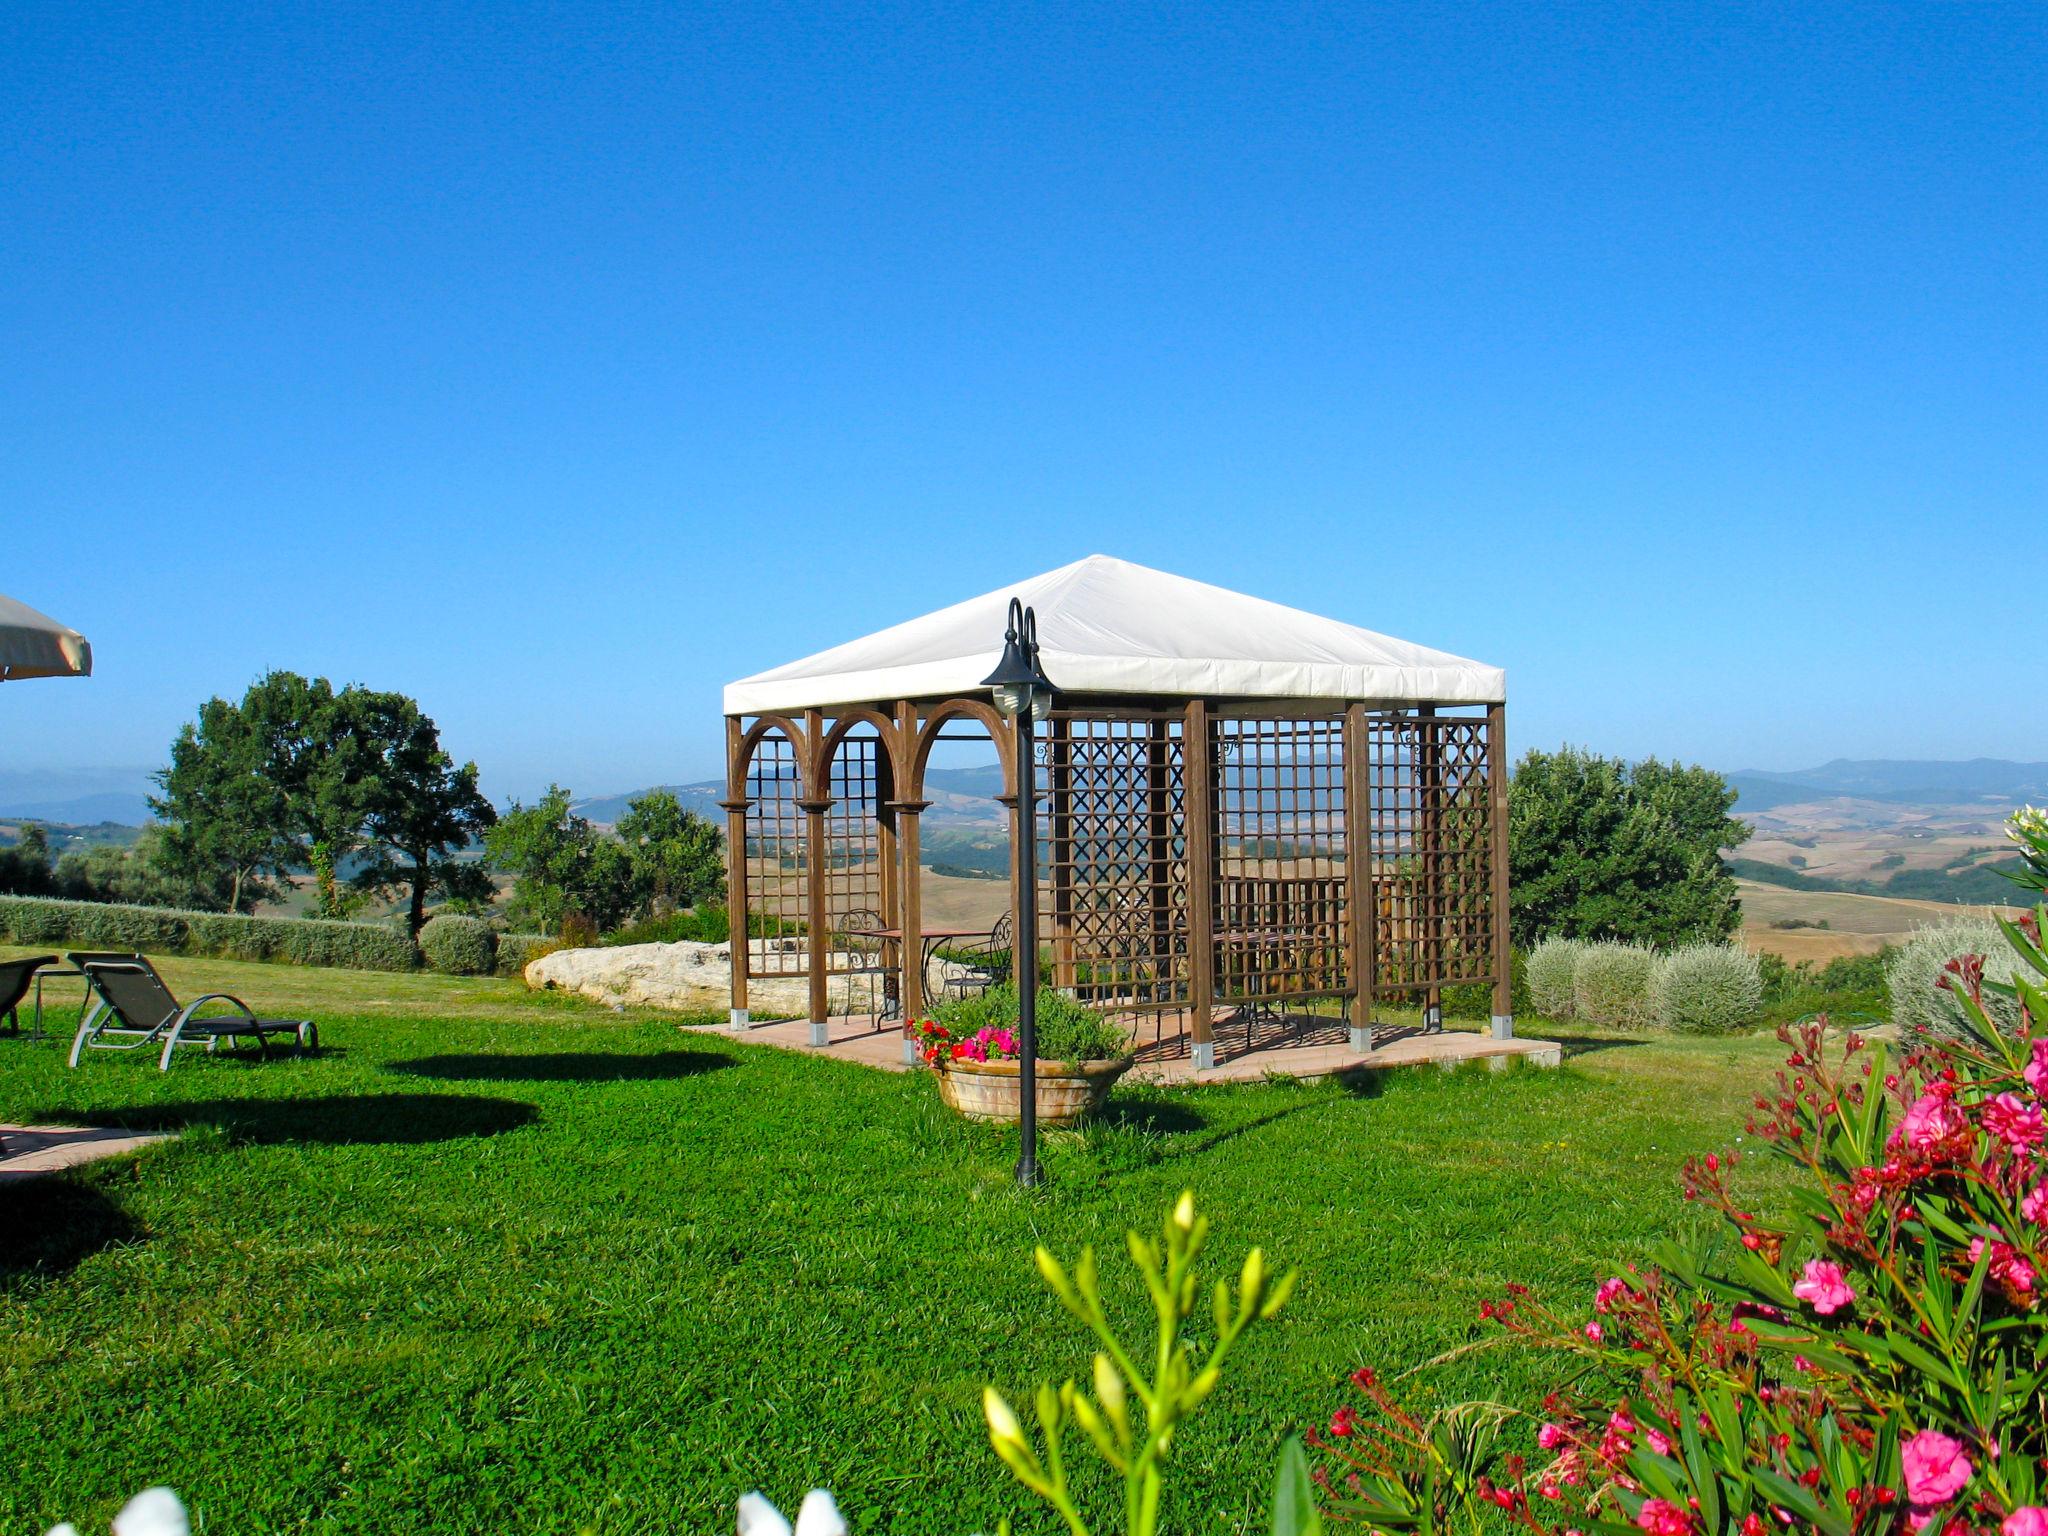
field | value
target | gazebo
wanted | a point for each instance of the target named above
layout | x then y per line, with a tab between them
1245	808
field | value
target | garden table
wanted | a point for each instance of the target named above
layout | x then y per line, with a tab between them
892	987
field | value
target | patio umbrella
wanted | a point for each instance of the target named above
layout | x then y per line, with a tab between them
35	645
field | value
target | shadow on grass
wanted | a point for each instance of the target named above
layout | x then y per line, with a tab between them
50	1226
564	1066
1590	1045
1153	1117
337	1120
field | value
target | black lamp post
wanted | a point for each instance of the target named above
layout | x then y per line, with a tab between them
1023	695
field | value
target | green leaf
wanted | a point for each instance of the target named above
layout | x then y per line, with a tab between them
1294	1494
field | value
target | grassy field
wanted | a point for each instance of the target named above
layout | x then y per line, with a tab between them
499	1261
1856	925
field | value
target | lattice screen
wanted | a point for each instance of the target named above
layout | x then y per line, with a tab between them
776	856
1431	854
1279	858
1113	906
853	854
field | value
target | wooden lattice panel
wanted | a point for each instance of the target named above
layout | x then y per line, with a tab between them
853	854
1113	905
1431	856
776	855
1280	907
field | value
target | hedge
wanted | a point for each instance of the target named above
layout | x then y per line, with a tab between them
456	945
1914	975
516	949
1553	967
1611	985
229	936
1707	989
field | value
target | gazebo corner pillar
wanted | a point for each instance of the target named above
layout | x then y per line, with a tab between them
1198	792
1361	906
738	947
910	949
1497	833
817	921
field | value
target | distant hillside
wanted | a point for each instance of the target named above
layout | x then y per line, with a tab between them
959	797
1895	781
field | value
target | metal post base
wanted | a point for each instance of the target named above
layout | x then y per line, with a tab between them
1361	1038
1503	1026
1432	1018
738	1022
1204	1054
909	1051
820	1032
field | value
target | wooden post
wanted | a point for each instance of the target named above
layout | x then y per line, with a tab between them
1361	906
910	952
735	807
1497	801
817	880
1198	764
1430	774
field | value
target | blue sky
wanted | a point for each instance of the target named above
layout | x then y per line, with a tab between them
556	365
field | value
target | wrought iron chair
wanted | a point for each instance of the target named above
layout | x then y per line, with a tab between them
858	954
978	966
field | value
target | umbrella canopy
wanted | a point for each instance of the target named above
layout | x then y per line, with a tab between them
35	645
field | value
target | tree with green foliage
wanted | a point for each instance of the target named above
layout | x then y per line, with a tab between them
677	858
227	826
418	807
560	864
25	866
314	754
1602	849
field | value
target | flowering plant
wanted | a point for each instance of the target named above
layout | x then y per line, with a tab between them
938	1043
1874	1360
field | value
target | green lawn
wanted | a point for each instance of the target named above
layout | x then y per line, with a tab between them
494	1261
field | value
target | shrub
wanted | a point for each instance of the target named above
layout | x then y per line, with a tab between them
517	950
1067	1031
228	935
577	931
1611	985
459	946
1707	989
1553	965
1917	1003
1474	1000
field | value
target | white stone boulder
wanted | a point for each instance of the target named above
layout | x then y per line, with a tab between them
686	976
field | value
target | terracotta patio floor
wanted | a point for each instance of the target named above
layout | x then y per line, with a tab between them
29	1151
1302	1047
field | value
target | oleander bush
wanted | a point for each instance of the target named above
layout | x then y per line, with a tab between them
1919	1003
459	946
1707	989
227	935
1611	985
1553	968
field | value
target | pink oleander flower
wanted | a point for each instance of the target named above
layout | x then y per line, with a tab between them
1659	1517
2013	1121
2031	1520
1551	1436
1659	1441
1825	1286
1610	1292
1936	1468
2034	1204
1595	1332
2037	1069
2008	1265
1932	1118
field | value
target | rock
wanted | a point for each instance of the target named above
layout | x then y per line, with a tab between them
686	976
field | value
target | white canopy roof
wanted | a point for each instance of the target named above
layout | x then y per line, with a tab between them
35	645
1108	626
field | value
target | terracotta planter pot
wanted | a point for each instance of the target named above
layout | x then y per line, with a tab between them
988	1090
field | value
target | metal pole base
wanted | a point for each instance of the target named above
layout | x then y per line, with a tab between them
1503	1026
738	1023
1432	1018
1361	1038
1205	1055
819	1032
909	1051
